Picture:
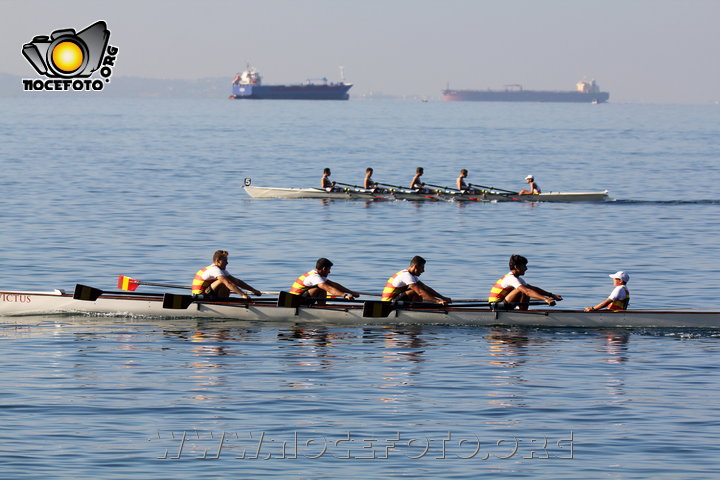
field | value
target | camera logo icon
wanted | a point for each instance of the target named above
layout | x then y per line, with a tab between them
67	54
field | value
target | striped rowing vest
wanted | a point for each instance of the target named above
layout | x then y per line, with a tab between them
298	287
621	304
198	284
390	292
497	292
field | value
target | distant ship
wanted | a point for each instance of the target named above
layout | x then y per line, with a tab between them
586	92
249	85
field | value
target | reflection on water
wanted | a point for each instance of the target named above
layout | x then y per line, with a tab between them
615	351
240	377
404	345
616	345
507	347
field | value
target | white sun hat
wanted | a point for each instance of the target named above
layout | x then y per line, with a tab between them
621	275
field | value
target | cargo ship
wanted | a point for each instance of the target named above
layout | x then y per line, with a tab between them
585	92
248	85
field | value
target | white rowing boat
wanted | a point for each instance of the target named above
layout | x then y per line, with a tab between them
338	194
398	194
57	302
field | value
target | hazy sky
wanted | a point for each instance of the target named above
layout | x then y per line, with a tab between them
659	51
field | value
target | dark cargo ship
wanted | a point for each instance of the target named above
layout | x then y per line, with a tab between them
586	92
248	85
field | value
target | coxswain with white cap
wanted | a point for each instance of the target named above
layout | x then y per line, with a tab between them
534	189
620	296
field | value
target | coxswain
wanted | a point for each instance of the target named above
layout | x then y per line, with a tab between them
315	284
620	296
533	187
406	286
214	281
512	291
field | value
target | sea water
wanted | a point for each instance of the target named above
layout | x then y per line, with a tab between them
94	188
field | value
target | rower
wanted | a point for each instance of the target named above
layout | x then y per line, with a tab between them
406	286
620	296
461	185
512	291
214	281
534	189
460	182
314	284
416	184
325	182
369	183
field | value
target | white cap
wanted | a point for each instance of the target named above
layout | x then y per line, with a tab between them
529	177
621	275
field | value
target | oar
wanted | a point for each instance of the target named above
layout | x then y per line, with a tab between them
291	300
131	284
90	294
394	186
445	188
182	302
406	189
285	299
379	309
509	192
350	185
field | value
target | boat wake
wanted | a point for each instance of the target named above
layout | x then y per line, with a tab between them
668	202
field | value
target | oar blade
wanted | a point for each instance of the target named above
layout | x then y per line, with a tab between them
127	283
177	302
83	292
289	300
375	309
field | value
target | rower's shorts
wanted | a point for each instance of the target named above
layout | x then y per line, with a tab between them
502	306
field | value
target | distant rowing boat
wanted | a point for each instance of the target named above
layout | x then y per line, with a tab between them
434	194
57	302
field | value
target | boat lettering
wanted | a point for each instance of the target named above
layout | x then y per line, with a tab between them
15	298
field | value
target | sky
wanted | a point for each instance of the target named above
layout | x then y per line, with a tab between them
641	51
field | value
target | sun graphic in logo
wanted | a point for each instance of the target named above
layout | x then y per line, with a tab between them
67	56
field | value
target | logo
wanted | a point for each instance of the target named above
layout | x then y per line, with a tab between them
68	58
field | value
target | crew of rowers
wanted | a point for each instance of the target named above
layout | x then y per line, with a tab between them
510	292
418	186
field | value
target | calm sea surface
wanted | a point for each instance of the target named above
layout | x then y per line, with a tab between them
94	188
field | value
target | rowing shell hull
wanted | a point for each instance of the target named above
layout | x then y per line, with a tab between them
151	306
488	196
347	194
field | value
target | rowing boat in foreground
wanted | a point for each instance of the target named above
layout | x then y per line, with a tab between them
335	312
397	194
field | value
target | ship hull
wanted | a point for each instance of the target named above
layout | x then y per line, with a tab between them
524	96
291	92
